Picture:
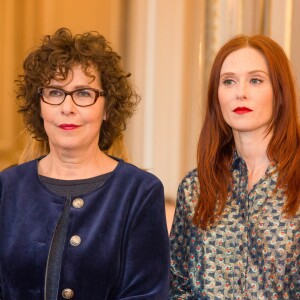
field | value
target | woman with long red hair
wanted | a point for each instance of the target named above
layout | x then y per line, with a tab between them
236	229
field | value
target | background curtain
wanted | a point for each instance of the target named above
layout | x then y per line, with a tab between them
168	46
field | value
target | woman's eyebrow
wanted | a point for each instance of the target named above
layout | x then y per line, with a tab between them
250	72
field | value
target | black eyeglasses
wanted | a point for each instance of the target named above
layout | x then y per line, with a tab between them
81	97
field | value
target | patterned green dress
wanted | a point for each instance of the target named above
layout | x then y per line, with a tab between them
253	252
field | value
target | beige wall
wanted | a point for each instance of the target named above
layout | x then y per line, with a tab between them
167	45
171	47
163	54
295	45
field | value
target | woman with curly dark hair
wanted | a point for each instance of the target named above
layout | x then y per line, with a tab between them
78	223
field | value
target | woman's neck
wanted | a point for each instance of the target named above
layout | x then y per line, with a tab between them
70	165
253	150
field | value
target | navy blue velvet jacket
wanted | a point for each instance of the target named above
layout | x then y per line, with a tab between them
124	249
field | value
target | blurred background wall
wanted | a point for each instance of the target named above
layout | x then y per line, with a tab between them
167	45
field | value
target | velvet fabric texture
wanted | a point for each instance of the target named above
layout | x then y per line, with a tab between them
124	249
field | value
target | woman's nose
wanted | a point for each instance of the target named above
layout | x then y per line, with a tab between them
241	91
68	106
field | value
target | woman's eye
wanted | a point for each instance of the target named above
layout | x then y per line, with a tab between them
256	81
228	82
55	93
83	93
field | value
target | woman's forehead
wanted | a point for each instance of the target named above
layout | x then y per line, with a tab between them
247	59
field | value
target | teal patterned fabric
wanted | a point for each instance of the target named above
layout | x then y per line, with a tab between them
253	252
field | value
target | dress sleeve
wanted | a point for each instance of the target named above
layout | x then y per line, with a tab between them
146	263
180	287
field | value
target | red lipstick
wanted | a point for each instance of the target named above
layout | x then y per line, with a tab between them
242	110
68	126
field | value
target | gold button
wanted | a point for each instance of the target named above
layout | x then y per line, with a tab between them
75	240
78	203
67	294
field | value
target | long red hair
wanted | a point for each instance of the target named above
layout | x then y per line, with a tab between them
216	143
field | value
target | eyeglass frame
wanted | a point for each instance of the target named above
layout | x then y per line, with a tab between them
66	93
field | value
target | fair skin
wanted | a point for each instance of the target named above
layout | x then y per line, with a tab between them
73	133
246	100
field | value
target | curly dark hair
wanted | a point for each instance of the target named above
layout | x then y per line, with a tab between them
55	58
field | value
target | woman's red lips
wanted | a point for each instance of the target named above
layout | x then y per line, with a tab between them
68	126
242	110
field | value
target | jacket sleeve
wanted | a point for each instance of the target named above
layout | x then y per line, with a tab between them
146	263
179	288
